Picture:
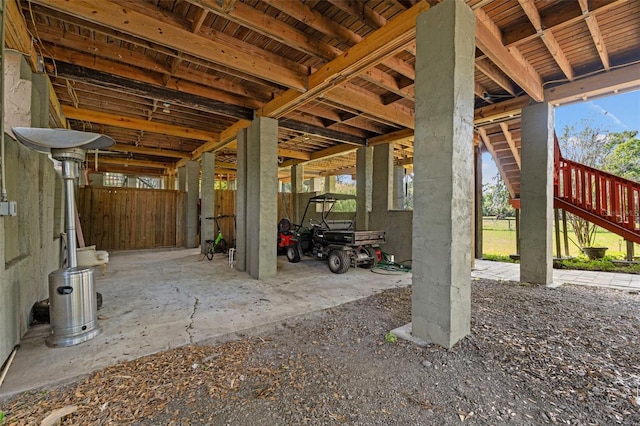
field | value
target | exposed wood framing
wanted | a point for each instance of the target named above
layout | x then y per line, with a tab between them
512	145
594	29
138	124
515	67
489	146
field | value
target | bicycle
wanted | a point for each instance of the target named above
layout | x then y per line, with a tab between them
219	244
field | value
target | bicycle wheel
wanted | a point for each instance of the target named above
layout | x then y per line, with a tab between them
222	246
208	250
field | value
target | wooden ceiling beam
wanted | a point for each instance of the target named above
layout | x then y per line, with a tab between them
325	133
387	82
368	53
564	14
158	152
501	110
399	136
136	123
512	145
301	12
547	38
352	97
621	79
146	27
496	159
129	162
271	27
515	67
126	79
487	68
596	35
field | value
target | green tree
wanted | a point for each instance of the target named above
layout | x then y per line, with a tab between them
624	156
495	198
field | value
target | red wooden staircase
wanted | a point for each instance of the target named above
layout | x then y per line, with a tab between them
604	199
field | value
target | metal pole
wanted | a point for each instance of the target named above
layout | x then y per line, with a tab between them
69	175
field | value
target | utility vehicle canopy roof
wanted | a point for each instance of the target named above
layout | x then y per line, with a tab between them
331	197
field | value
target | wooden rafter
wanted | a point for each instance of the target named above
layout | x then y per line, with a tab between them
130	162
596	35
512	145
547	37
368	53
120	147
136	123
487	143
621	79
515	67
148	28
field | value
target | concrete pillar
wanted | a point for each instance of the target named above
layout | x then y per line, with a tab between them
382	194
207	203
536	194
132	181
364	185
96	180
443	170
262	197
477	237
241	201
297	177
398	186
192	180
316	184
182	178
329	184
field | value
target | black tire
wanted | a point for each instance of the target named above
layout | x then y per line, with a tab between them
371	252
293	254
222	246
339	261
207	250
40	310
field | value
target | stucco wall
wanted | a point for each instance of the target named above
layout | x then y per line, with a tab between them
30	241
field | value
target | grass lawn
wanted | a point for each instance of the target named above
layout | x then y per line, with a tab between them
499	238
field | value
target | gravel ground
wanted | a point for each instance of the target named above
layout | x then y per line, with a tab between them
535	356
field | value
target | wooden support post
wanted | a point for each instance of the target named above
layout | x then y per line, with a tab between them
556	224
564	229
518	231
630	251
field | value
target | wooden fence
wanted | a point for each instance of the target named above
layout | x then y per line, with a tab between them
130	218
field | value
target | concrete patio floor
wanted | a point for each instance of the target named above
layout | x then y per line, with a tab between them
162	299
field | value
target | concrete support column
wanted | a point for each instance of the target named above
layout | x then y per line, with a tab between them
262	197
477	217
329	184
192	180
297	177
316	184
207	204
382	194
536	194
364	185
443	169
398	187
96	180
182	178
241	201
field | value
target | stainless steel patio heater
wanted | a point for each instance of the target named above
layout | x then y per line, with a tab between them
72	295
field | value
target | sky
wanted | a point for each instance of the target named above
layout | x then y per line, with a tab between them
617	113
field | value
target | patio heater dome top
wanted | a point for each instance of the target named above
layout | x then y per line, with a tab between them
44	140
